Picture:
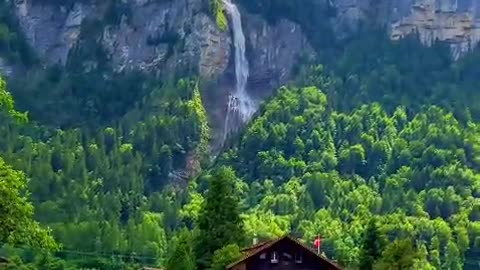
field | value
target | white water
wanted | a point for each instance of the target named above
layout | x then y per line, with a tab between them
240	106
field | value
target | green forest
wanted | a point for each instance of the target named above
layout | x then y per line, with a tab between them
375	150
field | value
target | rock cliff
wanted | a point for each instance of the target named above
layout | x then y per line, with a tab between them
169	37
143	36
456	22
156	35
164	37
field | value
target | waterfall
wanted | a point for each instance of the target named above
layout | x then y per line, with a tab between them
240	107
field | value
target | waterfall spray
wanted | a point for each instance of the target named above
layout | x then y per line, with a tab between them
240	106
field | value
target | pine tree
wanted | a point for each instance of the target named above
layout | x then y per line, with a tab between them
7	104
219	222
182	257
225	256
371	249
452	257
16	223
399	255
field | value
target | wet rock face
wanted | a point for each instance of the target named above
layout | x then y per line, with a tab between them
273	50
456	22
209	47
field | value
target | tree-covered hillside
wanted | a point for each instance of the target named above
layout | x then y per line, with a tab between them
373	145
112	191
313	170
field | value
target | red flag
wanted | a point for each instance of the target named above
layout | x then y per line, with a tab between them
317	242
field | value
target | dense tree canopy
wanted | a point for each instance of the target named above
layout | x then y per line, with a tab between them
118	190
371	246
17	225
219	223
182	255
319	171
375	150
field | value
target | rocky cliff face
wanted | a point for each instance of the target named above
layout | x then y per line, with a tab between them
456	22
144	36
274	49
178	36
140	39
165	37
52	30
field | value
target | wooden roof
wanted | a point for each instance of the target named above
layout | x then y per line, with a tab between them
258	248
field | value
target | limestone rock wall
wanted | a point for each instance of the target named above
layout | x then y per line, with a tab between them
456	22
166	37
50	29
143	40
274	49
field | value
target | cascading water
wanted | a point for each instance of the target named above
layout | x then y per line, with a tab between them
240	106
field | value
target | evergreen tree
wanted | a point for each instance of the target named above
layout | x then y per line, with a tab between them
224	256
7	103
219	222
371	249
16	223
453	259
309	164
399	255
182	256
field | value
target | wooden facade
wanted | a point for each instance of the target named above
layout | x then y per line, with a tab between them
285	253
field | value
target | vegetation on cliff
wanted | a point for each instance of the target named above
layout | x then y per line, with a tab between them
218	11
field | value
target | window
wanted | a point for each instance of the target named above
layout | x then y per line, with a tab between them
287	256
274	258
263	256
298	257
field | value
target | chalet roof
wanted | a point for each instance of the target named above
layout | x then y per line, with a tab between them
256	249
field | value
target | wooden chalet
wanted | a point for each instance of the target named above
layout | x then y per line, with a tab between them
285	253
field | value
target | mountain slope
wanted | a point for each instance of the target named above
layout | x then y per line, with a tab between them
314	170
126	97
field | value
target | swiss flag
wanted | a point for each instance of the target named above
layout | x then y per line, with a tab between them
317	242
